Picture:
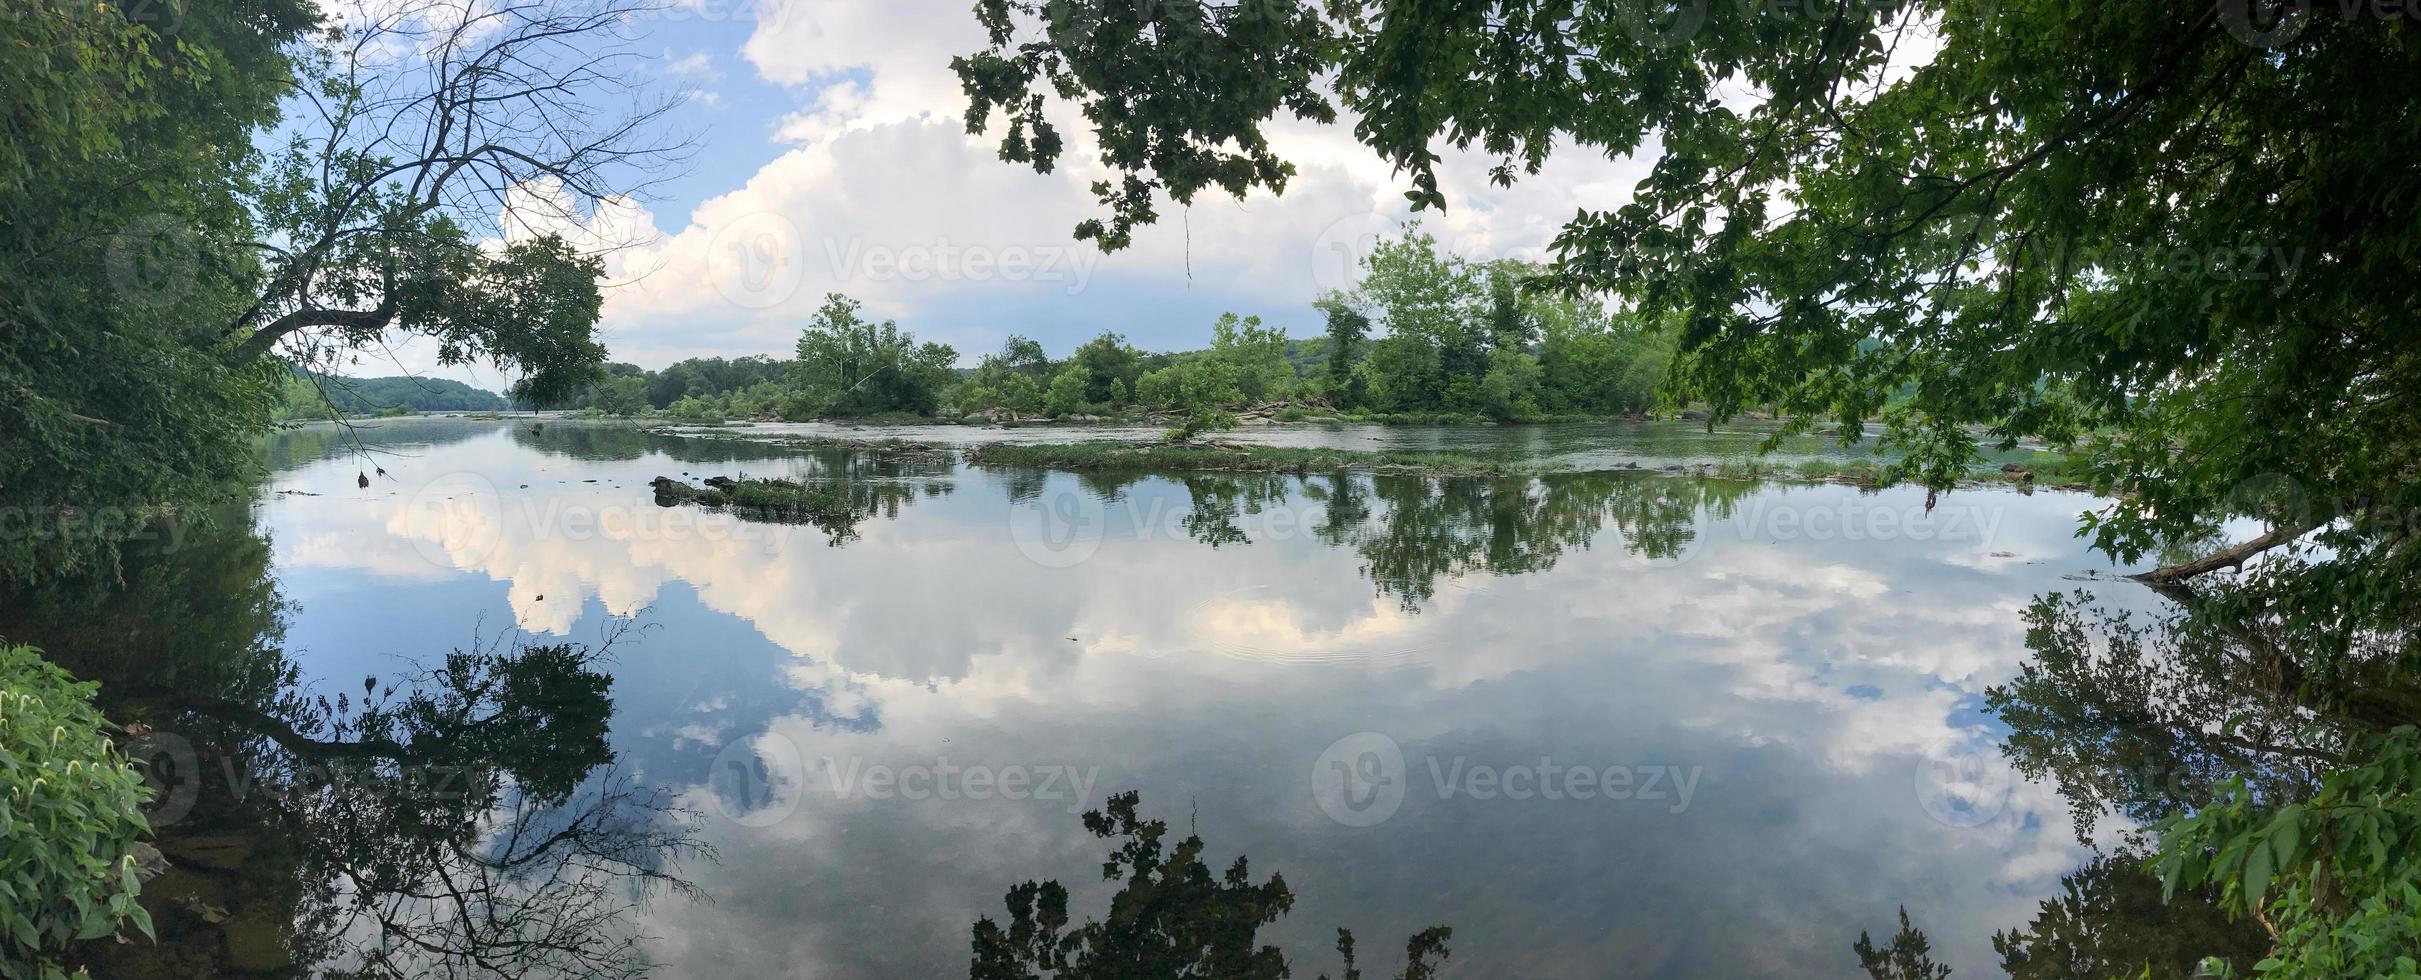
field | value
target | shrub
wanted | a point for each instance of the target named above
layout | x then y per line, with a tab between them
692	408
70	810
1203	420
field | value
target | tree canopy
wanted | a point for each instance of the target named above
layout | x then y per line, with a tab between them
2175	238
196	197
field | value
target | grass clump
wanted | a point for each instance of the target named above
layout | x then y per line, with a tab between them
834	507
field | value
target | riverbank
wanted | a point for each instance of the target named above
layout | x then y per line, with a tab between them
1233	457
2041	470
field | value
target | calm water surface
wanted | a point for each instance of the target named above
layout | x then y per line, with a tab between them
1380	688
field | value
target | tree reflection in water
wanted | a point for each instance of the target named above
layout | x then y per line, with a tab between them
467	819
463	820
2128	718
1173	918
1414	532
2138	718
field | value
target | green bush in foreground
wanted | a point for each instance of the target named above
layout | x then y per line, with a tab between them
2333	875
70	809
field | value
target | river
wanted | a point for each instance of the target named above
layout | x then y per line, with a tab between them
1606	722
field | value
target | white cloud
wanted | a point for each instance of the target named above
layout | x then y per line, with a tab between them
883	187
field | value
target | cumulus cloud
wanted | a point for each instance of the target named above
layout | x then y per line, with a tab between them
878	192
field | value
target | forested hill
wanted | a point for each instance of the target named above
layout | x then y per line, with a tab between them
370	396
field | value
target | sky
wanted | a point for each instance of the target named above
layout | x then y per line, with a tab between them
832	156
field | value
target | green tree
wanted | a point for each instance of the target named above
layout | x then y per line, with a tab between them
1023	356
1510	324
1402	374
1070	392
848	365
625	396
1347	330
1020	393
1431	303
1109	361
119	181
163	275
2149	234
1509	390
1255	355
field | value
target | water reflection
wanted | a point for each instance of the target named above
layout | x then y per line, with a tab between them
1817	658
464	819
1172	917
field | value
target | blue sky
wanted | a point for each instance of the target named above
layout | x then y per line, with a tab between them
833	158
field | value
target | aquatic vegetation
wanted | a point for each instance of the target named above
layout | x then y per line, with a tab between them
834	506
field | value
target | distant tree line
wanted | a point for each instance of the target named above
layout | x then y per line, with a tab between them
1458	339
305	398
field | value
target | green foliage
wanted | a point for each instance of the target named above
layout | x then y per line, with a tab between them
1203	384
848	365
70	810
1237	69
120	189
2125	230
708	377
365	396
2333	873
2112	919
1230	458
1472	339
1069	390
1509	391
1111	365
1009	381
1434	306
1201	421
692	408
1348	331
1254	355
624	396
